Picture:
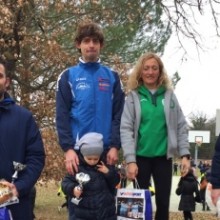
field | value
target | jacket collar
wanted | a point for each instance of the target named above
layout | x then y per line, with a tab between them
6	102
82	61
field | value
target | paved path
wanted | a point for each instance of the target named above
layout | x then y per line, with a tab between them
174	199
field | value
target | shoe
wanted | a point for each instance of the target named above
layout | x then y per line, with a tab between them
59	208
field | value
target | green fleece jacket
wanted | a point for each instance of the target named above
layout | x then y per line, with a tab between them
152	107
177	129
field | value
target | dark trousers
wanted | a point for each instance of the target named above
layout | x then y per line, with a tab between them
33	198
161	170
71	213
187	215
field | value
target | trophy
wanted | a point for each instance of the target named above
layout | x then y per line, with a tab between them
6	195
82	178
17	167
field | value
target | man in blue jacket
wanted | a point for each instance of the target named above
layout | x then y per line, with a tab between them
89	98
215	173
20	142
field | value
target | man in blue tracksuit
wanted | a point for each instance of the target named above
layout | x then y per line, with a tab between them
89	98
21	142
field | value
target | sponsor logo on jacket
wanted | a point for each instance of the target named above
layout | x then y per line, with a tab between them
104	84
82	86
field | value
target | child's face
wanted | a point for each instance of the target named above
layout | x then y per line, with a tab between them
92	160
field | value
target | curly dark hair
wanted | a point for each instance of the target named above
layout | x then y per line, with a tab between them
89	29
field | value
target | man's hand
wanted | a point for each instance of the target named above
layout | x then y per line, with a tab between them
112	156
11	186
71	161
215	194
131	170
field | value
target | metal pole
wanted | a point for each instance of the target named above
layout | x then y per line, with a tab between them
196	154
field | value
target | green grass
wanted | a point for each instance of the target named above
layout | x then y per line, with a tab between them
47	202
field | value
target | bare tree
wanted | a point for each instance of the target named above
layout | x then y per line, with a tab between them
184	14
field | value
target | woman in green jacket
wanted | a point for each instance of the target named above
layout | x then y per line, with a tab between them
153	129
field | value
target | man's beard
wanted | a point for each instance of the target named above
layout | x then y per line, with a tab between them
2	95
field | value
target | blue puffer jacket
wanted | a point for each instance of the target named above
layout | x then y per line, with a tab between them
89	98
98	198
215	168
20	141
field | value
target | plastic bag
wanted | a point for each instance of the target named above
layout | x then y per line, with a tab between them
5	214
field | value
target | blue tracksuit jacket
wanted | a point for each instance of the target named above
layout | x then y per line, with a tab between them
89	98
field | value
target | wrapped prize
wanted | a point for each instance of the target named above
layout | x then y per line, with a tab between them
5	193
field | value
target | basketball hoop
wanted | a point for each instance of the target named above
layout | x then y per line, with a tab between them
198	143
198	140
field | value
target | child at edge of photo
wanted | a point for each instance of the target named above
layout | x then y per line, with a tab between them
188	191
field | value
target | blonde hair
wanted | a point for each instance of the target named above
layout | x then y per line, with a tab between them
135	79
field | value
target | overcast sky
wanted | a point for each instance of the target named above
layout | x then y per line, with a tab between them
199	87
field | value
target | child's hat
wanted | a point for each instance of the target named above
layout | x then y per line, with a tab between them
91	144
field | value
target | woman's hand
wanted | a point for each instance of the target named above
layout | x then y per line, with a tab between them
131	170
185	166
